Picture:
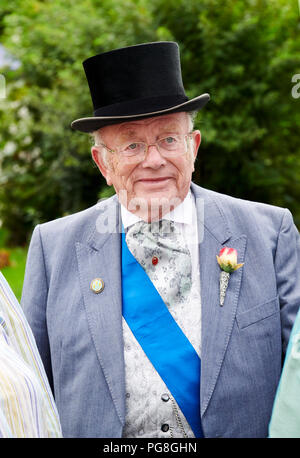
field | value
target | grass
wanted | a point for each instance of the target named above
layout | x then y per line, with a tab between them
14	273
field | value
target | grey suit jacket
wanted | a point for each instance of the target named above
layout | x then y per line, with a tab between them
79	333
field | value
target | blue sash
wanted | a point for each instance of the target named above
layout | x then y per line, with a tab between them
162	340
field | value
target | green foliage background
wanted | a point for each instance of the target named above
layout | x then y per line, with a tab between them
243	52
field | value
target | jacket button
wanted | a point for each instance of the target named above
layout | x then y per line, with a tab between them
165	427
165	397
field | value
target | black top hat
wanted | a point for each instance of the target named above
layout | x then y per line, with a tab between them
136	82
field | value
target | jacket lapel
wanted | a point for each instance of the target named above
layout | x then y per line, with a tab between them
100	257
217	321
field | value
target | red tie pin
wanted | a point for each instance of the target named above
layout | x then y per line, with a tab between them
154	260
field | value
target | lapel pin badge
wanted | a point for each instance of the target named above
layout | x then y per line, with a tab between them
97	285
227	260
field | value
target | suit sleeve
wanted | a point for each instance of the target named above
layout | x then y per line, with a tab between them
34	299
287	266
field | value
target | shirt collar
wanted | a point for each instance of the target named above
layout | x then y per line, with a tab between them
181	214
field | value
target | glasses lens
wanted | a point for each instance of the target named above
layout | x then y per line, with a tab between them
173	144
133	149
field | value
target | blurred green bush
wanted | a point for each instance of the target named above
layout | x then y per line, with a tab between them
14	271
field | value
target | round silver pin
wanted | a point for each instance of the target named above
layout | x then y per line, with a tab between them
97	285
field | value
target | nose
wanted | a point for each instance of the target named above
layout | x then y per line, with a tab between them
153	158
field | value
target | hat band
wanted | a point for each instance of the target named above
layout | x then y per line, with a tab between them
140	106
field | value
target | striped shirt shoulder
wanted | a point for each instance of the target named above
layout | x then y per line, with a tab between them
27	407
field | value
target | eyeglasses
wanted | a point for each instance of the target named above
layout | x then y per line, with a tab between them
173	145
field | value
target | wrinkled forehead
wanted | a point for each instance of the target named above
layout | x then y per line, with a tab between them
175	122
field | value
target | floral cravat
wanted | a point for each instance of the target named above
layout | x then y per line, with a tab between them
160	249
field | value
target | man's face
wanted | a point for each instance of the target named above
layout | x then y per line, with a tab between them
142	186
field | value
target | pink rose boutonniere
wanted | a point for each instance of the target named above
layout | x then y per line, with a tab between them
227	260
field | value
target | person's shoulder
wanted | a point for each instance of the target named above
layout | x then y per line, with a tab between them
240	210
78	223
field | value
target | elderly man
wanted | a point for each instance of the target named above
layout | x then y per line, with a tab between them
165	310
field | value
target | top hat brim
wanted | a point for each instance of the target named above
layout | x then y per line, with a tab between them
92	124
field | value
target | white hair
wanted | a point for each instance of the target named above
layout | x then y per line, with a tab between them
98	141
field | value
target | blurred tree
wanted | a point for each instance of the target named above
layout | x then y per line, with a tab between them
47	169
243	53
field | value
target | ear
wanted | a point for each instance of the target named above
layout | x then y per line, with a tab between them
197	141
101	164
